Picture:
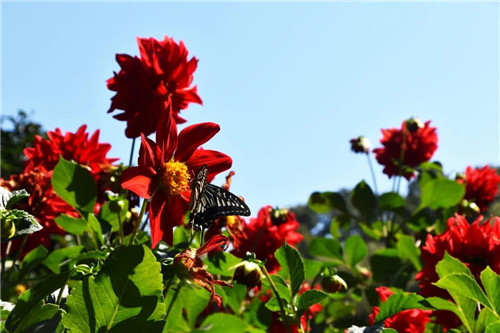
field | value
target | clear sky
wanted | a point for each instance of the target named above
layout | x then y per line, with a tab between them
289	83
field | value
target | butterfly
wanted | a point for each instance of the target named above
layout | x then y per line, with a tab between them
209	202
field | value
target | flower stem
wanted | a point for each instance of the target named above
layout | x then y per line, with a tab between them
136	228
131	153
372	172
181	283
273	287
120	226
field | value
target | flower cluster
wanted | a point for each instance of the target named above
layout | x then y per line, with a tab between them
476	245
157	82
481	185
407	321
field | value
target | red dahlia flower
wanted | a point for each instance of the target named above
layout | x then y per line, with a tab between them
406	148
165	169
476	245
43	203
481	185
266	233
157	82
45	153
190	265
407	321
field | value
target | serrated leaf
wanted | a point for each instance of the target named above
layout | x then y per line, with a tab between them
194	301
493	328
491	284
222	323
441	193
32	259
484	319
235	296
327	248
364	200
309	298
42	318
9	199
55	259
296	269
75	185
24	223
409	251
95	225
125	295
451	265
463	284
282	287
75	226
398	302
222	263
31	299
355	250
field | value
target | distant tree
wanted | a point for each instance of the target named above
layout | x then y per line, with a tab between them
17	133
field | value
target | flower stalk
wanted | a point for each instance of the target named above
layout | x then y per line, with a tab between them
136	227
275	291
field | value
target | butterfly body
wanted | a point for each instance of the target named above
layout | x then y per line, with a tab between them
209	202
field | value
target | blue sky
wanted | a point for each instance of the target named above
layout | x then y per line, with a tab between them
289	83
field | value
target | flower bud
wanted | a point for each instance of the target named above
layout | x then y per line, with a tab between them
116	206
248	274
413	124
8	228
361	144
333	284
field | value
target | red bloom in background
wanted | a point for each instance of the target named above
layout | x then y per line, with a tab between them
157	82
266	233
481	185
77	147
43	203
406	147
407	321
191	267
165	169
476	245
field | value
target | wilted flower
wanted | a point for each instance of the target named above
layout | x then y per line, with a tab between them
165	170
266	233
158	82
360	144
481	185
189	264
404	149
476	245
406	321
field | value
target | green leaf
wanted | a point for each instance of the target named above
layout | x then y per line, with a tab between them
324	202
110	217
235	296
222	263
364	200
54	260
441	193
398	302
309	298
194	301
391	201
491	283
296	269
32	259
355	250
329	248
75	226
9	199
30	301
95	225
451	265
484	319
125	295
312	267
493	328
463	284
409	251
75	185
461	309
222	323
42	318
386	264
25	223
282	287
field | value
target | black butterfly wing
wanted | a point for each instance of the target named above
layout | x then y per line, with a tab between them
197	187
213	203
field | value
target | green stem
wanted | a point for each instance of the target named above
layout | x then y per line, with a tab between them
273	287
120	226
136	228
372	172
174	298
131	153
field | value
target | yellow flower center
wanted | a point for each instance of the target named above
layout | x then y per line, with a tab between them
174	177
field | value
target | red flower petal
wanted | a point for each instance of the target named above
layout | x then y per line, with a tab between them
192	137
215	161
139	180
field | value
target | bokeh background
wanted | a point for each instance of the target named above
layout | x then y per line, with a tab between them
289	83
